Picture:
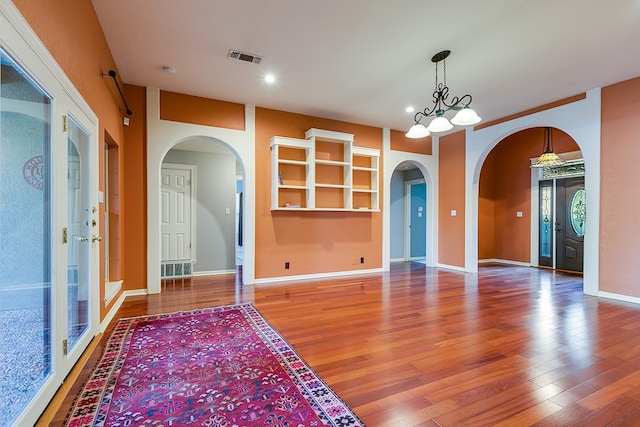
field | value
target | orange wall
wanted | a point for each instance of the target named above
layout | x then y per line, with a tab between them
71	32
134	172
399	142
201	111
451	193
620	189
312	242
505	189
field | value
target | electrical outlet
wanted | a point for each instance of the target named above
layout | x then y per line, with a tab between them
361	260
286	265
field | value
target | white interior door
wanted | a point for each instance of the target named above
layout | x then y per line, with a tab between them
176	210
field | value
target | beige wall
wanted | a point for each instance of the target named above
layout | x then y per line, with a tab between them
312	242
451	191
620	189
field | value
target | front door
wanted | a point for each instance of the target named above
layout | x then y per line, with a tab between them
570	223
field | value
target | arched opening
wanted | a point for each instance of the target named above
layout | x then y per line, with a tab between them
408	213
201	218
509	202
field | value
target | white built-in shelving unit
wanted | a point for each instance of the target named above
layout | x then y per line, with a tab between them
323	172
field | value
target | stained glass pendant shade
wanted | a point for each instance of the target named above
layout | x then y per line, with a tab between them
548	157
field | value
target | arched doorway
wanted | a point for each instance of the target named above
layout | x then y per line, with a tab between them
201	180
579	119
509	203
408	194
162	136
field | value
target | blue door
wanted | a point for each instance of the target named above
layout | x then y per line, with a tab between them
418	221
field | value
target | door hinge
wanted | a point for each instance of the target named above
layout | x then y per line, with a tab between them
64	347
64	123
64	235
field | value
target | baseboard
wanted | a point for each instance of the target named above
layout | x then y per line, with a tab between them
317	276
451	267
212	273
619	297
111	290
504	261
116	306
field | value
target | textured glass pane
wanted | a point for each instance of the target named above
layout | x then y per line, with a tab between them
578	212
25	239
545	222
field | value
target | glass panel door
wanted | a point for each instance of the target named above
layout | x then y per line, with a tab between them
79	228
26	326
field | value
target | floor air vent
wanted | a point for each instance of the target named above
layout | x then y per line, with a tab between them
243	56
173	269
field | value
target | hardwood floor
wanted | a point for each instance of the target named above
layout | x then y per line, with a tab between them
417	346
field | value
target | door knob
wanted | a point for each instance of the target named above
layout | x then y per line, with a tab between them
94	238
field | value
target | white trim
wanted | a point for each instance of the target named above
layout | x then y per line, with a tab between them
317	276
162	136
428	166
116	306
504	261
619	297
452	267
111	290
581	121
212	273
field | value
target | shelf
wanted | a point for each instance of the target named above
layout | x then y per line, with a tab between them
324	172
318	184
331	162
281	209
292	162
293	187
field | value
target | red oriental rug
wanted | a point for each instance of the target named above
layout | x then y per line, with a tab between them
215	367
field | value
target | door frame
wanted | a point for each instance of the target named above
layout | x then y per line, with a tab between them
536	177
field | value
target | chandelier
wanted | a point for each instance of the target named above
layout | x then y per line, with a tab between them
465	116
548	157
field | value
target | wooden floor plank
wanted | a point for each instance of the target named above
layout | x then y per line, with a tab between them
420	346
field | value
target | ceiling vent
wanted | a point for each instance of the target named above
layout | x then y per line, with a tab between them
243	56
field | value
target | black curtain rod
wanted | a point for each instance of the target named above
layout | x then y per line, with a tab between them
113	75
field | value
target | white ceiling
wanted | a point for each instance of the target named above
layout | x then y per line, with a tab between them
365	61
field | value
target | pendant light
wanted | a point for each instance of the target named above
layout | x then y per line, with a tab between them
548	157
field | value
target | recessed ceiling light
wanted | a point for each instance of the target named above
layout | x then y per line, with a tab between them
169	70
410	109
270	78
